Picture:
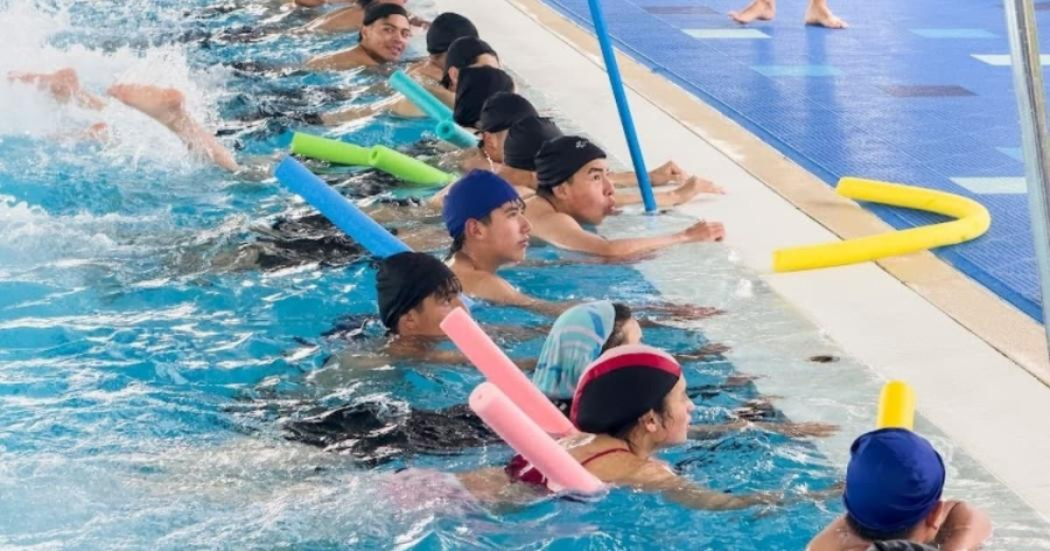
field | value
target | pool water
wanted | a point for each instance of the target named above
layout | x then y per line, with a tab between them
144	379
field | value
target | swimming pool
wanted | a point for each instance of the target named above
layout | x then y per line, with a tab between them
143	380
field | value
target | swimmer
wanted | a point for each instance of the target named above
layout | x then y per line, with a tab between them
498	114
817	14
475	85
629	404
350	18
164	105
443	32
526	137
893	491
384	37
586	331
486	219
573	188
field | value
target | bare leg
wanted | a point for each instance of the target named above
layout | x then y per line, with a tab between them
64	86
167	106
819	15
762	10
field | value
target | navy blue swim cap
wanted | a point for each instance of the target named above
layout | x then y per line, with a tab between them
475	196
893	481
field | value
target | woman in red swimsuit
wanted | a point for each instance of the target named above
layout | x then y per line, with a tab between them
630	403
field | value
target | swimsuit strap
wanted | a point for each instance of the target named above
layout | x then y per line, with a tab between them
603	454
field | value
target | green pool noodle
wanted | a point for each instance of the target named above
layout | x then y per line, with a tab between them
333	151
406	168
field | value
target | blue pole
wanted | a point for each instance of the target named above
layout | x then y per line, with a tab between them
609	55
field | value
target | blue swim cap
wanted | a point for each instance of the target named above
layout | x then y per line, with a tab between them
475	196
893	481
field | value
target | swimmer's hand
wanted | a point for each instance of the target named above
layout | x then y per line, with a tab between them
704	231
681	311
666	173
800	430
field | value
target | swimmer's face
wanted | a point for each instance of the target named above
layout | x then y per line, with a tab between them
506	235
387	38
589	193
678	412
492	143
425	319
632	332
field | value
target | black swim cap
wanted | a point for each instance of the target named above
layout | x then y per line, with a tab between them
524	140
446	29
463	53
382	11
561	157
621	386
503	110
476	86
406	279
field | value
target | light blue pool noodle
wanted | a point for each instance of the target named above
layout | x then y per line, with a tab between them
338	209
419	96
455	134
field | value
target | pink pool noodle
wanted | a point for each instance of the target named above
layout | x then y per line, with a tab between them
500	371
527	438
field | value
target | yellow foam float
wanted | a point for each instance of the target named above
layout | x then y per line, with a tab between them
896	407
972	220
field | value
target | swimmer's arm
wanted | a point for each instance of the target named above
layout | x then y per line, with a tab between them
496	289
793	430
837	537
661	175
680	194
965	527
345	19
658	479
562	231
337	61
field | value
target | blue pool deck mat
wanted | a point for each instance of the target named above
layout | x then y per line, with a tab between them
919	93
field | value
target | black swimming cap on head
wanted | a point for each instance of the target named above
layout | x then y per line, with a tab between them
524	140
476	86
382	11
561	157
446	29
462	53
621	386
900	545
406	279
504	109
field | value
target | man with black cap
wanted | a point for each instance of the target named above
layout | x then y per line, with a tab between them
350	18
573	188
893	492
465	53
415	291
384	37
446	29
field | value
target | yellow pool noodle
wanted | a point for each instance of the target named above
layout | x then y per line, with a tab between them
896	406
972	221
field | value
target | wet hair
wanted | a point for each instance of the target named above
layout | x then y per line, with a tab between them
377	12
875	535
459	241
621	315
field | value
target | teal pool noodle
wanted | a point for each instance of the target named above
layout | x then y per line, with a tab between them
338	209
455	134
419	96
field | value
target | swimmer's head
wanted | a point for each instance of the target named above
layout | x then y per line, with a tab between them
524	140
625	331
446	29
386	31
635	393
575	171
483	213
463	53
476	86
501	111
893	486
415	292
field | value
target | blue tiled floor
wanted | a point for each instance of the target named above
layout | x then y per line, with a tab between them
898	96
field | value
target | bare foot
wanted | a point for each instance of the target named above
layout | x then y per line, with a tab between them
63	84
821	16
762	10
166	105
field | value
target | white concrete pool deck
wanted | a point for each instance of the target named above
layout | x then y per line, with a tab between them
989	399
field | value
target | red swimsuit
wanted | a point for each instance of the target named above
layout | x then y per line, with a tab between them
519	468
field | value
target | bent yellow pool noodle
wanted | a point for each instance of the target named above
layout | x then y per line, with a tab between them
972	221
896	406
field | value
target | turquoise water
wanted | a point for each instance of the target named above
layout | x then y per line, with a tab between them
144	376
